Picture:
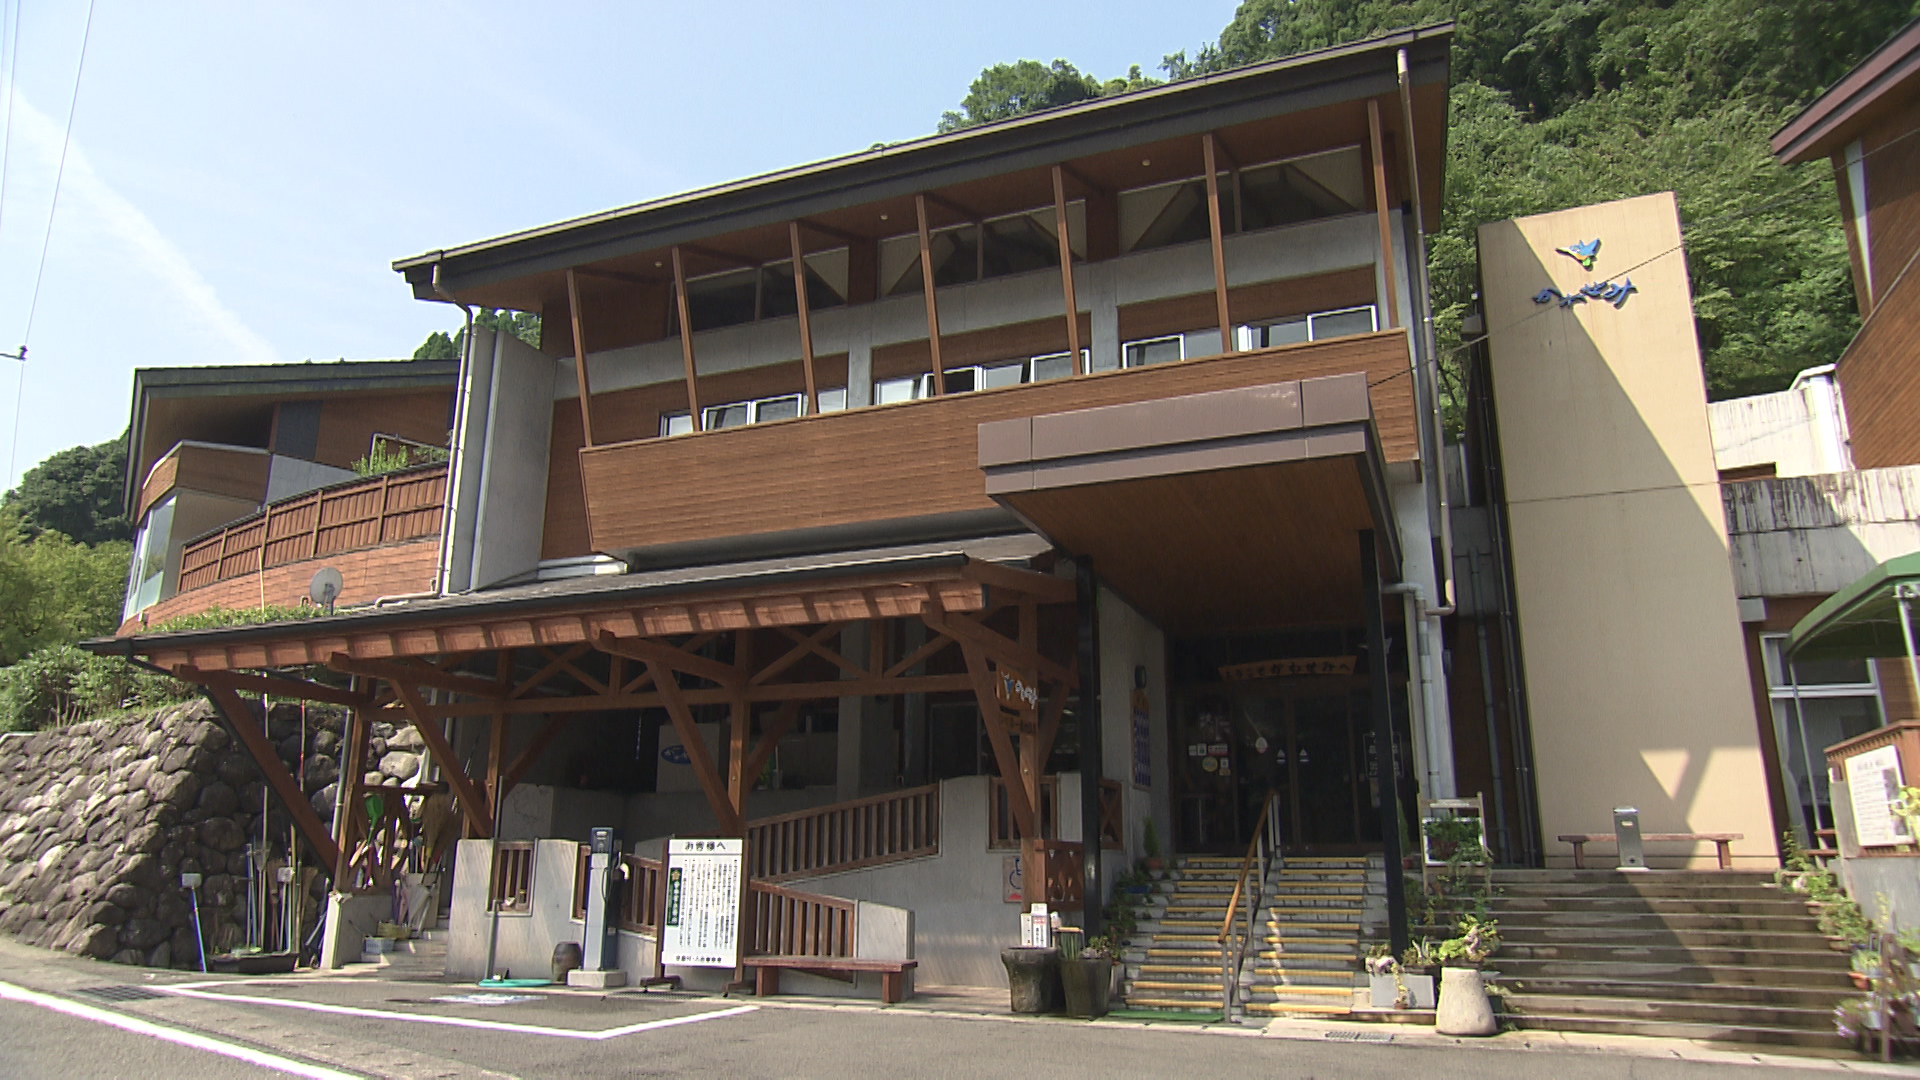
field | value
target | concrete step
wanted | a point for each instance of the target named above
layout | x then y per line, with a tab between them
1817	998
1656	939
1668	1012
1656	888
1611	876
1827	1040
1820	960
1343	992
1575	921
1829	977
1294	977
1309	1008
1512	906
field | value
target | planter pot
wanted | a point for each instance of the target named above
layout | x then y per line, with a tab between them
1033	978
1154	862
1086	985
1839	944
566	957
1860	980
1464	1008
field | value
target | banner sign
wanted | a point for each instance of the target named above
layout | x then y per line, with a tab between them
704	879
1282	669
1873	782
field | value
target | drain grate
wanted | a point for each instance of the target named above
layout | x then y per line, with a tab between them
1360	1036
120	993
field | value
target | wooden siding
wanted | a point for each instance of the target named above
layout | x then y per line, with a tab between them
348	424
918	458
367	575
236	473
1876	380
1893	197
366	513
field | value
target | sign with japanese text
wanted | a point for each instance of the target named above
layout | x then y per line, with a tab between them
1284	669
704	879
1141	709
1873	781
1016	692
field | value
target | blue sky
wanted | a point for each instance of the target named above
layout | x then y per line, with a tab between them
241	175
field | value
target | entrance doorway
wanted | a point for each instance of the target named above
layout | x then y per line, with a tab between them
1307	740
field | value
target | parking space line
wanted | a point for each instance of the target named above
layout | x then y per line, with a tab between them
194	1040
461	1021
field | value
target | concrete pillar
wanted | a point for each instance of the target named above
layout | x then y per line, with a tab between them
1097	279
847	745
860	357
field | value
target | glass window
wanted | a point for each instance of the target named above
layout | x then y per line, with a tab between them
1153	351
1055	366
1837	700
1003	374
721	417
833	399
724	299
1815	674
826	285
1302	189
1173	213
1332	324
890	391
1291	331
779	408
675	424
147	570
955	260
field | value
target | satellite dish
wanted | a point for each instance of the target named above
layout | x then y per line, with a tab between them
325	588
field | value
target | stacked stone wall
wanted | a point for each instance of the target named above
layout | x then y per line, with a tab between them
99	820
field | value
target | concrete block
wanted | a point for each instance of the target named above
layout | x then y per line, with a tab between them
596	980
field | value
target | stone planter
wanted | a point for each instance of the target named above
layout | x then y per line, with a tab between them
1033	978
1086	985
1464	1008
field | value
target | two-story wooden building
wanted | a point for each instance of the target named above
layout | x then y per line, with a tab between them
1032	483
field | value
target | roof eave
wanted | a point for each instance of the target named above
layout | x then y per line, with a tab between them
1827	121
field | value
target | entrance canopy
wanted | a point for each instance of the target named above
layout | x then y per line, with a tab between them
1213	511
1861	620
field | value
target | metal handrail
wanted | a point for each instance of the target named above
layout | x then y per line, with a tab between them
1265	849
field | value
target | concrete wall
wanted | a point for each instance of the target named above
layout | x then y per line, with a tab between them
512	489
1636	675
1799	431
1127	640
1814	535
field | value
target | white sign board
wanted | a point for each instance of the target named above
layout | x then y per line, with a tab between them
1873	781
704	879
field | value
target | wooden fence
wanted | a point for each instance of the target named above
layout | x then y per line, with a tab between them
385	509
846	836
512	885
787	922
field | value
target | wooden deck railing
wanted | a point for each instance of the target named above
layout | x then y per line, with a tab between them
1002	832
787	922
846	836
385	509
639	895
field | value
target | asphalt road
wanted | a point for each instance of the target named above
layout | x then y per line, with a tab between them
366	1027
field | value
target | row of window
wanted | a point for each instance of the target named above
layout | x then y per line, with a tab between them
1263	197
1317	326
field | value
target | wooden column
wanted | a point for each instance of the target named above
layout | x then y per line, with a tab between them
580	357
806	324
740	730
1380	212
1066	268
1219	243
697	756
350	807
686	337
933	306
497	736
473	804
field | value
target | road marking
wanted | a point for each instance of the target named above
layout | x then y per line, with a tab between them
191	1039
461	1021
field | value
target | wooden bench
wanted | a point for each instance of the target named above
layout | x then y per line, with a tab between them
1724	841
893	973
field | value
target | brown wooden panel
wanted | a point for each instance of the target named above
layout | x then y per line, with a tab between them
918	458
1876	379
369	574
1249	303
213	469
564	536
348	425
1893	196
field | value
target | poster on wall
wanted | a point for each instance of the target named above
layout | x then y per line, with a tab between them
1873	781
703	903
1142	740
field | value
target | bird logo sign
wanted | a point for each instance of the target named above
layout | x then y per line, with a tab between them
1583	252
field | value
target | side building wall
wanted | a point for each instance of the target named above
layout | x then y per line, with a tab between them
1630	635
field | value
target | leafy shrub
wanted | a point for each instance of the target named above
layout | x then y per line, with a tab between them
63	685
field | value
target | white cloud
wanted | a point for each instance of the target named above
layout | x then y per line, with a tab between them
92	213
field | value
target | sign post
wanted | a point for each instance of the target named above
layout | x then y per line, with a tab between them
705	881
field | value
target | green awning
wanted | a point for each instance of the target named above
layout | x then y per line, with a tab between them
1860	620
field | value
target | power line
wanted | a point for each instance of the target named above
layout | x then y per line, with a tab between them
59	174
12	78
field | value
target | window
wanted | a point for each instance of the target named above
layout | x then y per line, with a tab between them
733	297
1318	326
1837	700
961	380
147	572
1158	350
1009	244
1278	193
890	391
758	411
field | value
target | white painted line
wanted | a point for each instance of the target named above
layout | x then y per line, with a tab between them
461	1021
176	1036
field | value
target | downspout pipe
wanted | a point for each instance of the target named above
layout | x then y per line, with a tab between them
1423	624
1429	376
444	572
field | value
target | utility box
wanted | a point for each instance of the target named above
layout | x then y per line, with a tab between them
599	938
1626	831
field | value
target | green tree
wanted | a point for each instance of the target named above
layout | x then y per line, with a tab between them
76	492
54	590
440	345
1025	86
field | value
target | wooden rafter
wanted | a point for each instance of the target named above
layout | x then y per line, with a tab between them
555	664
815	645
1020	798
1013	653
395	673
776	692
652	652
697	755
348	819
277	685
530	754
920	655
782	723
807	644
473	804
282	782
1044	588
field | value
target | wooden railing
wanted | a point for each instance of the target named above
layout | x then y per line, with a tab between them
640	892
1003	832
846	836
787	922
385	509
512	886
1061	871
1248	890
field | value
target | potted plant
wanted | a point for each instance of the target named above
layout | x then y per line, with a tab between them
1463	1008
1087	978
1151	844
1865	968
1446	837
1417	967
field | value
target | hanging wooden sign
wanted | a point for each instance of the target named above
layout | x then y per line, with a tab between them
1289	668
1017	692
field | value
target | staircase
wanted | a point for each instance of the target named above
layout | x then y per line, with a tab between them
1305	952
1715	955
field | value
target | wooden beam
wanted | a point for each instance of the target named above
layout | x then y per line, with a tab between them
353	769
579	358
552	668
1056	705
394	671
283	784
918	656
697	755
807	645
686	337
816	645
496	764
719	695
1008	762
530	754
1084	181
1066	267
783	721
278	686
620	275
806	324
473	804
1376	144
933	306
739	730
1219	245
1042	587
719	256
966	215
996	645
841	235
649	651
